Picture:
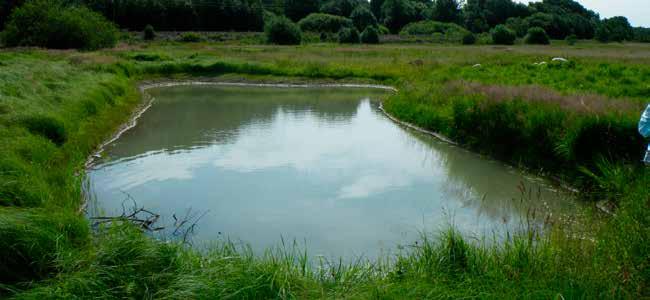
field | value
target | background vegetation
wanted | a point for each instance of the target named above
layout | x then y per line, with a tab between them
571	119
558	18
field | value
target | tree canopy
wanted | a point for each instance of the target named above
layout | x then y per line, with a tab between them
558	18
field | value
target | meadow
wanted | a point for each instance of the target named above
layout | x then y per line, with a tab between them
574	121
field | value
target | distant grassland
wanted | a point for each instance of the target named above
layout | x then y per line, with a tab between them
575	121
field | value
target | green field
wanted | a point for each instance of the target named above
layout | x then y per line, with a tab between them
575	122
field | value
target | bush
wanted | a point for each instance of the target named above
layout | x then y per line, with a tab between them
370	35
190	37
571	39
431	27
501	35
537	35
282	31
616	29
383	29
518	25
149	33
349	35
469	39
324	23
51	24
642	35
362	17
441	32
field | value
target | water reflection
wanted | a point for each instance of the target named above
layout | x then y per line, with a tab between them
322	165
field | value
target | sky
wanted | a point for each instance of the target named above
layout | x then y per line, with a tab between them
636	11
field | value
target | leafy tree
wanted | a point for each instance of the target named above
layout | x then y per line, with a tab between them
560	26
397	13
446	11
375	7
298	9
562	7
362	17
481	15
474	16
442	32
616	29
501	35
431	27
571	39
149	33
190	37
423	9
469	39
642	35
243	15
6	7
349	35
537	35
341	7
370	35
518	25
498	11
53	24
574	18
324	23
280	30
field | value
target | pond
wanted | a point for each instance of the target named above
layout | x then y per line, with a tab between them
321	166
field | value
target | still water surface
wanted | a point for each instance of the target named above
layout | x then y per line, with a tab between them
319	165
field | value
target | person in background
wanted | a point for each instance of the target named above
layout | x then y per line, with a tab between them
644	129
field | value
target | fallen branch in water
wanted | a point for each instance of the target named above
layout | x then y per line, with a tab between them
147	220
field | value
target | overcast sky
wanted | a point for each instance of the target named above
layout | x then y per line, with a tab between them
637	11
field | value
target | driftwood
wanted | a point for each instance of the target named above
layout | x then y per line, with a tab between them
147	221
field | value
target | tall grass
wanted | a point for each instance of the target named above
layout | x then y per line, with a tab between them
57	106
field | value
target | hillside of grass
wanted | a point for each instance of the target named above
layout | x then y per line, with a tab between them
574	121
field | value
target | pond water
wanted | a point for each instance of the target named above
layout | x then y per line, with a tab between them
321	166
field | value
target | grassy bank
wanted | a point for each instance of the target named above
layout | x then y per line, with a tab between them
574	120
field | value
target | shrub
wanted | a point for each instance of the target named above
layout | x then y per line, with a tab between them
518	25
282	31
616	29
324	23
51	24
370	35
349	35
571	39
537	35
469	39
339	7
431	27
149	33
48	127
440	31
362	17
642	35
383	29
501	35
190	37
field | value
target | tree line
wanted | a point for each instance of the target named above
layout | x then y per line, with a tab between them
558	18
